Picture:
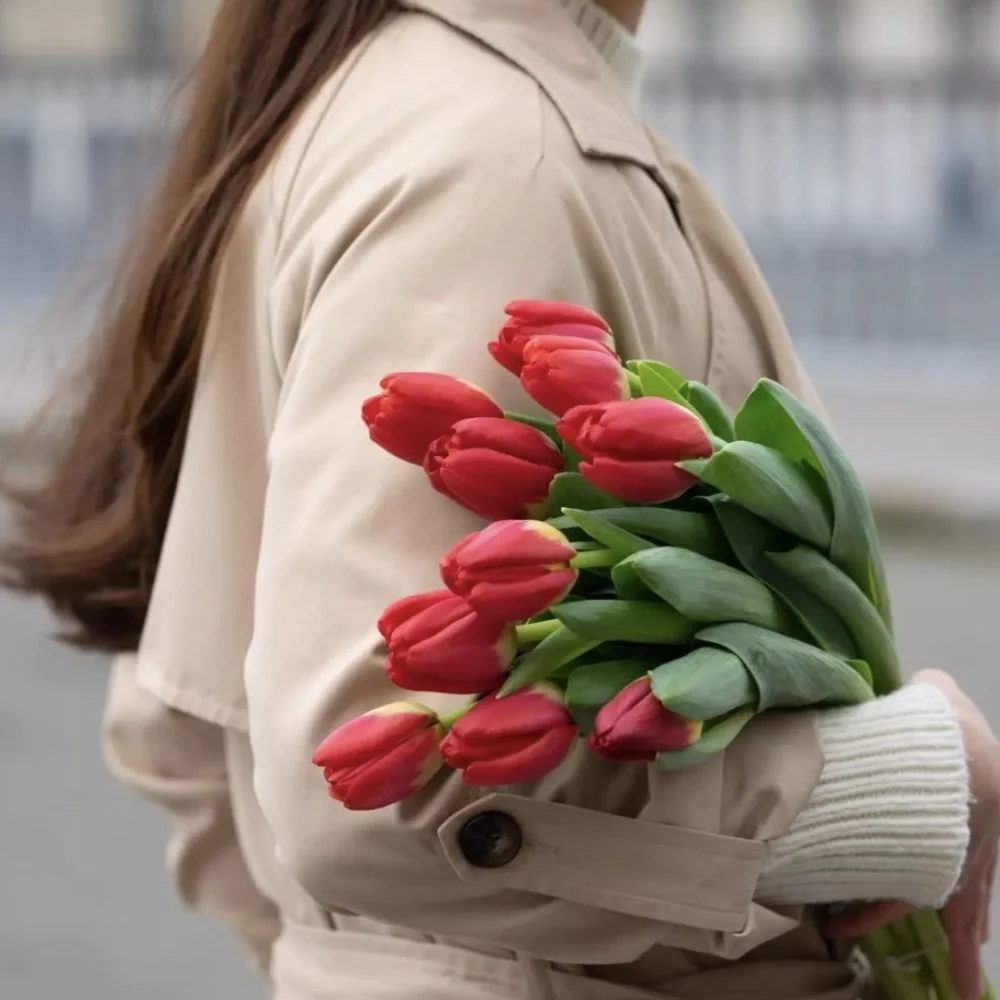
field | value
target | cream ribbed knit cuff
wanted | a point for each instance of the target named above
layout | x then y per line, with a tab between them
889	817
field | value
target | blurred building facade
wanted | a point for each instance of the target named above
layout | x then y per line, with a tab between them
856	142
776	35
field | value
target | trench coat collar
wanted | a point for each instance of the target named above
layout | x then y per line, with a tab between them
540	38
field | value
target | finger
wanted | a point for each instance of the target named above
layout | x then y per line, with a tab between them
936	677
857	921
965	966
988	905
962	923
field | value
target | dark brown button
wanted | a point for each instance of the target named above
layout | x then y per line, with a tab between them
490	840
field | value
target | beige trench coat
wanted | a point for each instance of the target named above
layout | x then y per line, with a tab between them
469	153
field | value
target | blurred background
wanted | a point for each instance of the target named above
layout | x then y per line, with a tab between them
857	144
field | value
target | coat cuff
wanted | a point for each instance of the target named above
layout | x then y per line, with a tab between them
889	818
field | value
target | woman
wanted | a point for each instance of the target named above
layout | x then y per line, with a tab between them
360	186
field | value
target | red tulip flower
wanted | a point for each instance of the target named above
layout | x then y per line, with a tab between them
401	611
562	372
415	408
520	738
438	643
498	469
530	318
631	449
634	727
511	570
381	757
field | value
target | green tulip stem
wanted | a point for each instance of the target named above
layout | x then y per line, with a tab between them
447	721
598	559
547	427
926	927
534	632
635	385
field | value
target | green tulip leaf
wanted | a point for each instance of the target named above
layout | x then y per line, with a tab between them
625	621
707	591
546	659
547	427
570	489
663	371
772	416
621	542
696	466
593	685
641	656
627	584
789	673
710	408
682	528
661	381
752	539
771	486
705	684
812	570
863	671
715	738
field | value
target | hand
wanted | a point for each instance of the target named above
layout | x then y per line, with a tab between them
967	914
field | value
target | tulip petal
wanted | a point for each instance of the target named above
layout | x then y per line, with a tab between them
528	712
506	356
509	437
635	727
655	428
510	544
409	607
369	735
449	648
543	312
514	739
416	408
432	620
529	764
511	570
529	319
460	753
455	668
520	596
497	487
392	777
553	342
474	678
495	468
559	377
638	481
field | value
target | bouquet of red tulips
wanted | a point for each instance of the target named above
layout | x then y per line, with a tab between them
656	573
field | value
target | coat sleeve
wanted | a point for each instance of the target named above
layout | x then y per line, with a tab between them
615	860
178	762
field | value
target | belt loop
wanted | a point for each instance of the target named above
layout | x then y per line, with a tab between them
536	977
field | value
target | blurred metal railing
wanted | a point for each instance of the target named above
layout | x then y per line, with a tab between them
76	154
872	203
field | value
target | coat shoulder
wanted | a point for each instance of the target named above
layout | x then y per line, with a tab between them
419	98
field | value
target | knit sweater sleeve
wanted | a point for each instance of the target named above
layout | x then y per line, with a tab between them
889	817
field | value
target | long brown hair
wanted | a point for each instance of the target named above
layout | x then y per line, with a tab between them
88	533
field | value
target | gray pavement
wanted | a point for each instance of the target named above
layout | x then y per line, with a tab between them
87	912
